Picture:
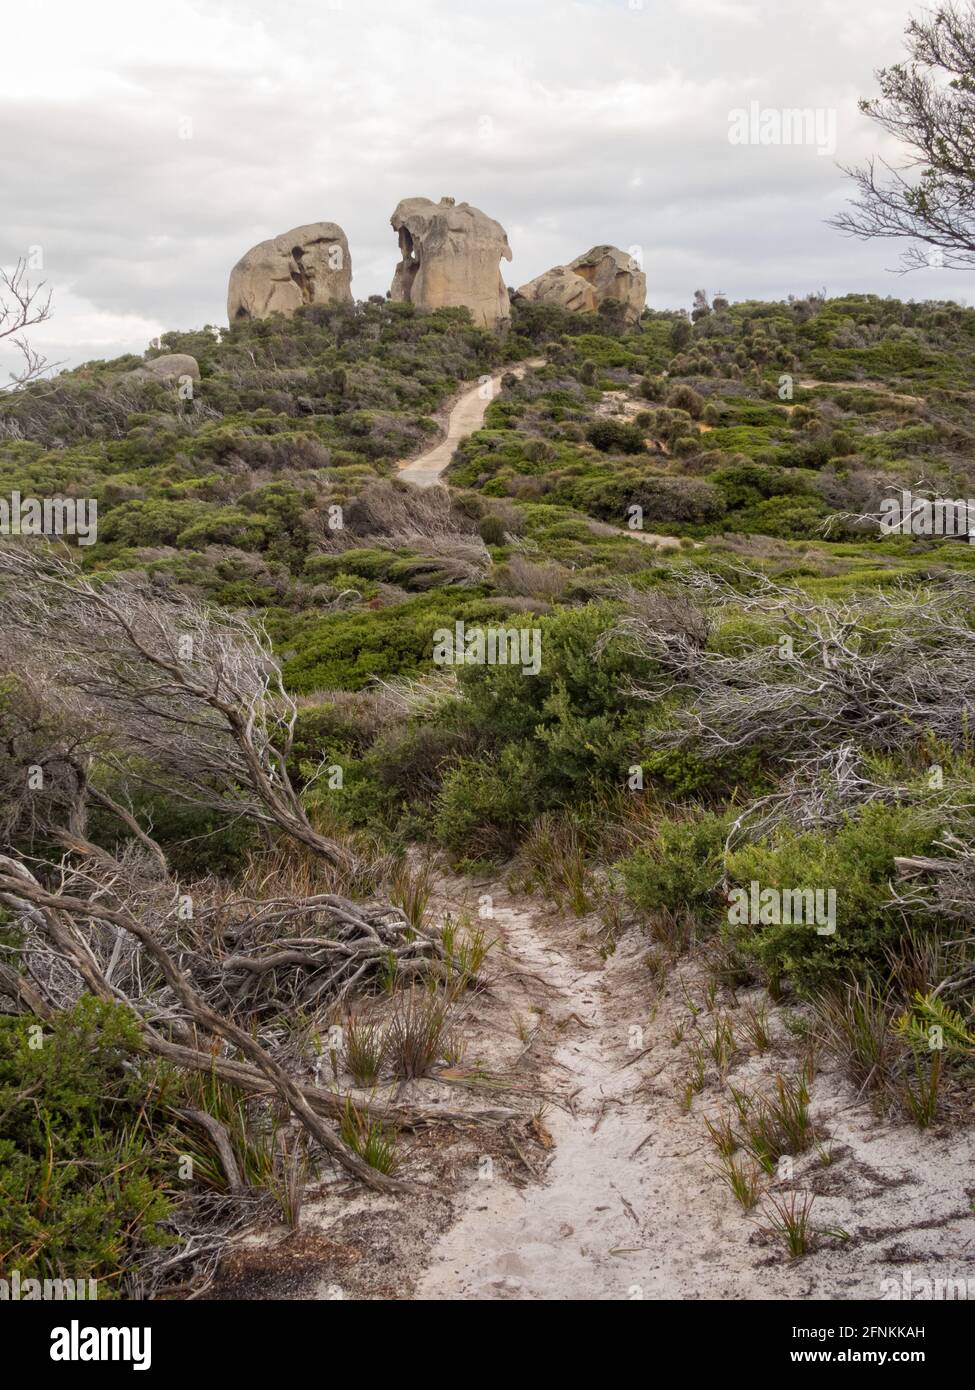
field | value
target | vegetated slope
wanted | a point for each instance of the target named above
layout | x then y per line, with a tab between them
773	702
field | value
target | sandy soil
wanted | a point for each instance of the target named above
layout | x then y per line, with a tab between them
811	383
630	1206
599	1185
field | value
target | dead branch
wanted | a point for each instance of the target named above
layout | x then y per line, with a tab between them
22	306
64	918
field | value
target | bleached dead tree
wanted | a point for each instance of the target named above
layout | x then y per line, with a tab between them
816	684
927	104
193	695
22	306
819	674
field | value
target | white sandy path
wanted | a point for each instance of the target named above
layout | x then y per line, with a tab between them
630	1208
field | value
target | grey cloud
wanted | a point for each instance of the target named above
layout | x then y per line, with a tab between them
572	123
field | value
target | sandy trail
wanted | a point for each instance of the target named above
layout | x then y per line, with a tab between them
630	1207
466	416
580	1233
611	1194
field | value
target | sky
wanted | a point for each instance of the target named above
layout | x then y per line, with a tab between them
144	149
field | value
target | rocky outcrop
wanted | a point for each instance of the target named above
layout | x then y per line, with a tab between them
563	287
615	276
308	265
169	367
603	275
450	259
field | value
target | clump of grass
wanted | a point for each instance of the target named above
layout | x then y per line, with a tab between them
720	1042
789	1108
697	1076
676	931
554	857
693	1008
657	964
722	1136
364	1050
523	1029
250	1130
755	1026
411	887
742	1177
789	1217
369	1138
857	1025
742	1102
826	1153
611	923
389	973
728	966
417	1033
289	1178
920	1097
464	955
779	1124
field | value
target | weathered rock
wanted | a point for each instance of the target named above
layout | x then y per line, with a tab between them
308	265
603	275
169	367
614	275
561	286
450	254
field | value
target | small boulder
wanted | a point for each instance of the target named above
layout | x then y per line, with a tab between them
169	367
308	265
561	286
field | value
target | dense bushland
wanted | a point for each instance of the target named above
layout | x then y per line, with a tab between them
774	700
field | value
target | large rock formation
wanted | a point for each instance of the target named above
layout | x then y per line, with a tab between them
308	265
603	275
450	253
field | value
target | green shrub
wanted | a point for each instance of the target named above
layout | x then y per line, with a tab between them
491	529
685	398
83	1172
682	869
857	862
484	806
549	740
615	437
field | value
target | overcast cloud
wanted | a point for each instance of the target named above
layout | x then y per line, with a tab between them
146	148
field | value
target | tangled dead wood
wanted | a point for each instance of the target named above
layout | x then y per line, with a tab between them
117	682
817	684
